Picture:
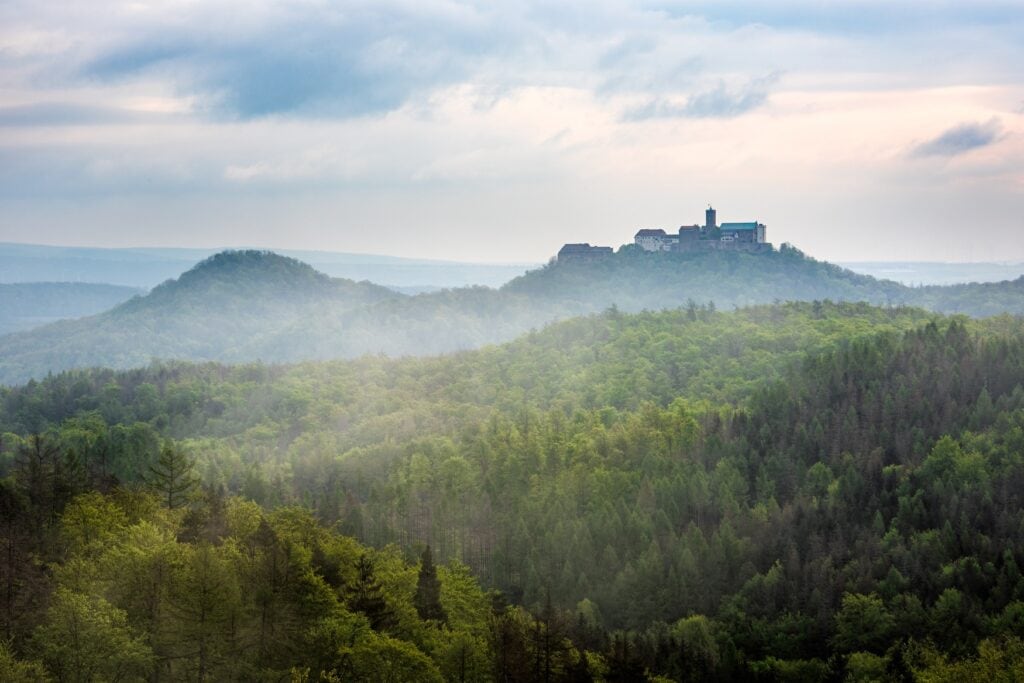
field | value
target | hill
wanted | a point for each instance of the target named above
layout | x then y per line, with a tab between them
631	280
31	304
975	299
634	280
242	306
220	309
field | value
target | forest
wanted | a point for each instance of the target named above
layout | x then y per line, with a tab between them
244	306
803	491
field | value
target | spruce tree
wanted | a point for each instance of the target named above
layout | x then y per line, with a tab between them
367	596
172	475
428	591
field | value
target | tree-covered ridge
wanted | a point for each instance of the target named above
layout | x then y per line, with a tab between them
606	360
247	306
977	298
856	512
253	274
635	279
224	308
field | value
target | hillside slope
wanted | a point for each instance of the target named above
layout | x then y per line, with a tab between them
220	309
242	306
631	281
806	491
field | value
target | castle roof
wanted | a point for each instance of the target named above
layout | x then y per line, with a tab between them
752	225
650	232
584	247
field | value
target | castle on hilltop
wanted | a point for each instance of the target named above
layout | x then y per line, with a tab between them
748	236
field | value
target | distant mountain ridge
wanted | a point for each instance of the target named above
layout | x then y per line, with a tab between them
917	273
253	305
149	266
27	305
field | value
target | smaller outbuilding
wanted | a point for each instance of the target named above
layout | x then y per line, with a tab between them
582	252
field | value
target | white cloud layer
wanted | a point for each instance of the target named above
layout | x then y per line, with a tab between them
857	129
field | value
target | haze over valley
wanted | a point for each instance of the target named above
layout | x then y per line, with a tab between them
511	342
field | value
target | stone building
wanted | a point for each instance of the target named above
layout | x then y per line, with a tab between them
749	236
582	252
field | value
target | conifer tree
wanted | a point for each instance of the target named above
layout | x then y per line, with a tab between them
367	596
172	475
428	591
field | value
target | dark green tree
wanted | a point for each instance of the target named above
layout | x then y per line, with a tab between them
173	476
428	591
367	597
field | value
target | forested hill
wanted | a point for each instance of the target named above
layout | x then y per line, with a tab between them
634	279
243	306
806	491
220	309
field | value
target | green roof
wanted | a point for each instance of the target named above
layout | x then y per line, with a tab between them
738	226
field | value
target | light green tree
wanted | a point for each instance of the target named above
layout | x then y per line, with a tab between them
85	638
862	623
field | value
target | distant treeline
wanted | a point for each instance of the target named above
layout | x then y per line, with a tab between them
244	306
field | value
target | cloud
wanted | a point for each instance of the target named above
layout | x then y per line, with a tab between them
848	16
355	58
960	139
718	102
67	114
327	61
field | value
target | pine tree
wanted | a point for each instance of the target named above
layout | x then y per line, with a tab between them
172	475
428	591
367	596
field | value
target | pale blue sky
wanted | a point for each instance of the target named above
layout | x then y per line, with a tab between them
856	129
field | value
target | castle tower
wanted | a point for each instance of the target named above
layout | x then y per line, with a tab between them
710	219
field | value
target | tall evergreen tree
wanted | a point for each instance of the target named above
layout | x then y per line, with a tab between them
428	591
173	475
367	596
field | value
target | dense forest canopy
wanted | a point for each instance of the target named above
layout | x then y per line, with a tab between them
804	491
247	306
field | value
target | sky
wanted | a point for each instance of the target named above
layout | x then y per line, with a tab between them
496	131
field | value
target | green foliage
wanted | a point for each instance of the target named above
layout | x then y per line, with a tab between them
366	596
247	305
781	493
998	661
172	476
382	659
13	669
428	590
134	596
863	623
864	667
85	638
790	670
